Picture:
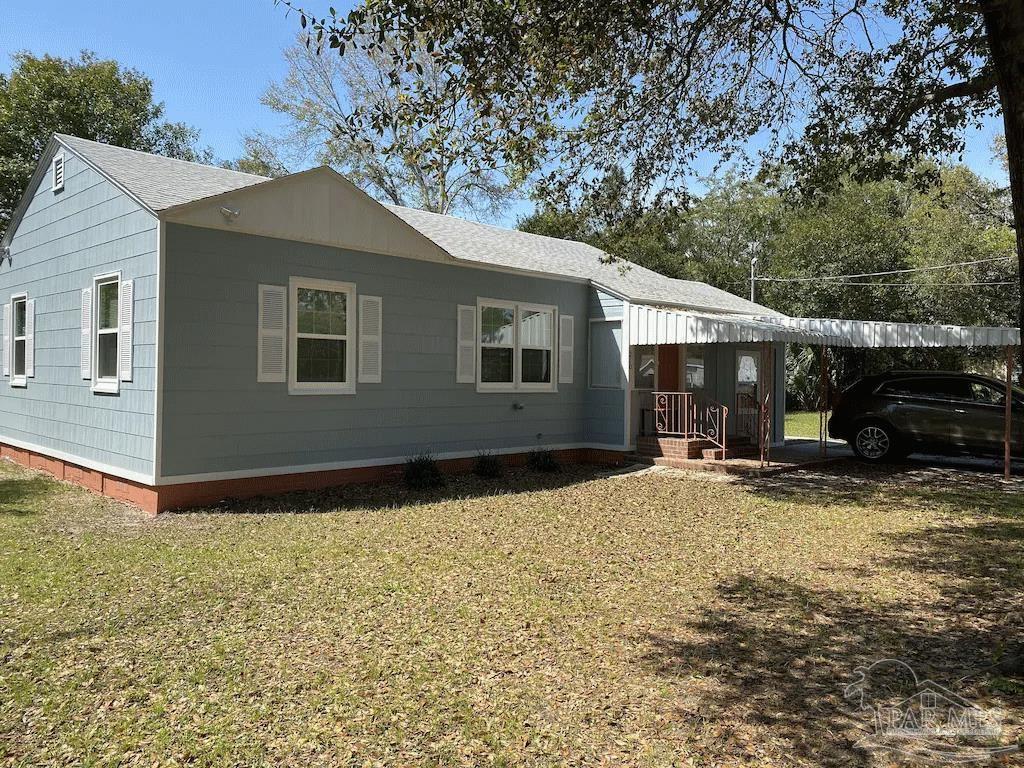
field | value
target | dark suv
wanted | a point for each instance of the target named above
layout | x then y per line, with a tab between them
892	414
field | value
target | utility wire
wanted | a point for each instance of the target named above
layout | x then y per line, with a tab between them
924	285
879	274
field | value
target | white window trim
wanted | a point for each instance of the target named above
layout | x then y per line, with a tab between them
54	186
105	386
516	385
295	387
22	380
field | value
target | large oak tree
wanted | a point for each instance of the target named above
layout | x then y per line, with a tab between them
575	89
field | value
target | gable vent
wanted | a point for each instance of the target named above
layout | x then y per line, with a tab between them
58	173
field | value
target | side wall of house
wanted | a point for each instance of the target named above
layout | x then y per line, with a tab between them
218	419
64	240
605	405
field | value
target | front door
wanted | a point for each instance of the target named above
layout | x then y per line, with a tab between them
748	366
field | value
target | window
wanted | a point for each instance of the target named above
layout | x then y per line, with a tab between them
645	367
57	170
321	356
987	394
929	388
694	369
107	340
536	336
19	339
516	346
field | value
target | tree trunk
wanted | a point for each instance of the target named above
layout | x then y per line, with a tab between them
1004	27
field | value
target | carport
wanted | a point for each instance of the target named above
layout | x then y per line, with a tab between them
678	411
868	334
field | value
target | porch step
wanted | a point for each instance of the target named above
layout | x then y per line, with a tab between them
739	451
672	447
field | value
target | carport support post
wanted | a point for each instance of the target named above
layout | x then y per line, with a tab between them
1008	418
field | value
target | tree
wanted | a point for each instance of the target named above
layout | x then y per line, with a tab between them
87	97
438	164
261	157
868	86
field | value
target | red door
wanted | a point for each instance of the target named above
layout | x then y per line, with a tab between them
668	368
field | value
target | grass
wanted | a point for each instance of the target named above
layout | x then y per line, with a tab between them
570	619
802	424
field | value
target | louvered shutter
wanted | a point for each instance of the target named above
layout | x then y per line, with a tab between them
465	363
30	337
370	352
85	355
126	321
271	349
566	346
8	348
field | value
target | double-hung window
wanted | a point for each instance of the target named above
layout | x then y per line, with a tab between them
19	339
321	355
516	346
107	291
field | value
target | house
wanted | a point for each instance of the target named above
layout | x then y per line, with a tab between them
177	333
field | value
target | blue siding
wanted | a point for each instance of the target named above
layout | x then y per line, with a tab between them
217	418
605	306
64	240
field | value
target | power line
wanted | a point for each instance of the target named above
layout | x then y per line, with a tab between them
925	285
879	274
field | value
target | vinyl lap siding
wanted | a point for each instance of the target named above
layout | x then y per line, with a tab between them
217	418
63	241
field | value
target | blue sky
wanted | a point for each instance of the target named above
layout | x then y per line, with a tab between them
210	61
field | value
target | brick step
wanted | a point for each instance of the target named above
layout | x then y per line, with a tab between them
732	452
671	447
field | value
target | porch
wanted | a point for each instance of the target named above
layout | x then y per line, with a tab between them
710	389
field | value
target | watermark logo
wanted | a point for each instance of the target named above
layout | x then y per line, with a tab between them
922	719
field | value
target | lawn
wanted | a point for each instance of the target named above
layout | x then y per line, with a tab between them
568	619
802	424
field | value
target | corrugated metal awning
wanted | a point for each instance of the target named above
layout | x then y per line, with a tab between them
656	325
875	334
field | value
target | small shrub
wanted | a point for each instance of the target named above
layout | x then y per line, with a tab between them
541	460
488	465
422	472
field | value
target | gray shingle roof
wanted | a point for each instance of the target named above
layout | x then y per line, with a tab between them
162	182
483	243
158	182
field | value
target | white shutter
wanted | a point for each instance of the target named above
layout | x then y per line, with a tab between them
465	363
270	365
126	321
566	346
30	337
86	349
8	348
370	333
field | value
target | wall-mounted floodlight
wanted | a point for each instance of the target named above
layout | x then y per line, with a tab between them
229	213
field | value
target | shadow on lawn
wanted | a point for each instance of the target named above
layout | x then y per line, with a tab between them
16	492
776	654
393	493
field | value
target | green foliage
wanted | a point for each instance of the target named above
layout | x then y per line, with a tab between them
486	464
422	473
541	460
87	97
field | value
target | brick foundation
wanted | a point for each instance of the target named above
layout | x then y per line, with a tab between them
154	499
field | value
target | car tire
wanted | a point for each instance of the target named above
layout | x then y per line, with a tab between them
876	442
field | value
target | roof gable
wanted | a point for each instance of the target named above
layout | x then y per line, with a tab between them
157	182
315	206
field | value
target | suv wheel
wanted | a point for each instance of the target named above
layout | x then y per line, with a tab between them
875	442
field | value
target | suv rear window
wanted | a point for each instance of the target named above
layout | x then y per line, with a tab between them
938	388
